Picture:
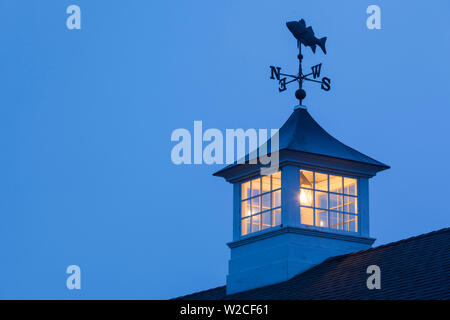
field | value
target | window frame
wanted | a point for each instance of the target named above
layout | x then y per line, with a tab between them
261	212
329	210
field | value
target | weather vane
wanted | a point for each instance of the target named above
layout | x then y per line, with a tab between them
304	35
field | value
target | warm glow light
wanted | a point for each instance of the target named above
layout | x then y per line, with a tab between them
328	200
261	203
306	197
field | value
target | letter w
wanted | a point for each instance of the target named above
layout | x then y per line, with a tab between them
316	70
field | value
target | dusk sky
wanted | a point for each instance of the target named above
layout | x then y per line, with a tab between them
86	118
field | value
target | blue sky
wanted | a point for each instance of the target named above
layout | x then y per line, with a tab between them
86	117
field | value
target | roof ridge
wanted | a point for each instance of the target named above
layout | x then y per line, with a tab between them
194	293
423	235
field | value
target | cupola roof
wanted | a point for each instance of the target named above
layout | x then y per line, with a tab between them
303	134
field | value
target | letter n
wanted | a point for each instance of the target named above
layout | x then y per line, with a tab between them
275	71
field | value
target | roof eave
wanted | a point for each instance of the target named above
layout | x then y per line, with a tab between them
239	172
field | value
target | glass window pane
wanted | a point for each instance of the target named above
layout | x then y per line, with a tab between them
354	224
350	223
266	202
350	186
306	197
246	208
322	218
346	220
350	204
259	199
266	220
307	216
256	223
336	202
245	227
352	208
333	203
265	183
335	184
321	181
276	218
256	187
335	222
341	221
256	205
245	190
276	180
276	199
306	179
321	200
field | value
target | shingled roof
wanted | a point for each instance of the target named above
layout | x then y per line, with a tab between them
413	268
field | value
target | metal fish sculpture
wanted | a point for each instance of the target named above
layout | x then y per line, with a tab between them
306	35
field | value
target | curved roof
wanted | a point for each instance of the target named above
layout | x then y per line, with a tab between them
302	133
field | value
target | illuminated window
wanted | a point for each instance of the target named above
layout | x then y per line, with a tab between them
261	203
328	201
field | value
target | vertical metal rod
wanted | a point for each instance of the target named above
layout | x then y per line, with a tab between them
300	58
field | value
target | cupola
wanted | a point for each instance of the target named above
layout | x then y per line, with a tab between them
315	206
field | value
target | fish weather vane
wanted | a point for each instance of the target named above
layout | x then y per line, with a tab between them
304	35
